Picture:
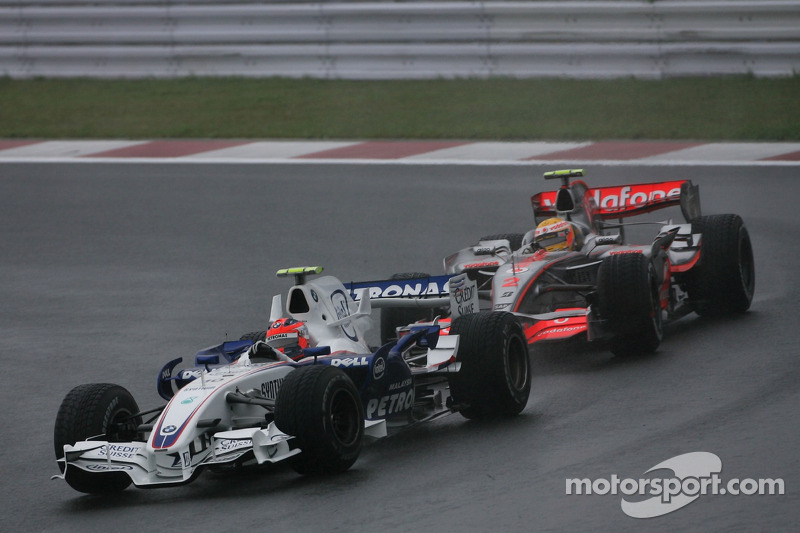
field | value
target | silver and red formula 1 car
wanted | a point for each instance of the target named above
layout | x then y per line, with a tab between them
308	390
574	274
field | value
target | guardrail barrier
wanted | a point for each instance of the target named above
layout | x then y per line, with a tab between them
387	40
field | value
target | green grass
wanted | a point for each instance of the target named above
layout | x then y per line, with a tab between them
726	108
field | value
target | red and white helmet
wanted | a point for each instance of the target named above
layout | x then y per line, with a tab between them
556	234
289	336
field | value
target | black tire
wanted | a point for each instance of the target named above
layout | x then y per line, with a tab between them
495	375
88	411
724	280
628	300
392	318
514	239
320	406
254	336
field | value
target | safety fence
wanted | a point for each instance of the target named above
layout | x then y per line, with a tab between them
403	40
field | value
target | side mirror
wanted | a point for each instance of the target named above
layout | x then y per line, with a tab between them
207	360
430	339
317	351
425	336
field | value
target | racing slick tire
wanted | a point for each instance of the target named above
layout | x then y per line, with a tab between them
320	406
254	336
514	239
88	411
723	281
392	318
495	375
628	299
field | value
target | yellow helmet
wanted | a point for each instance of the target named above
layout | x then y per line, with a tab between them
555	234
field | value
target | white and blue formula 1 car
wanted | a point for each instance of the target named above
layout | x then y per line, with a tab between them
253	401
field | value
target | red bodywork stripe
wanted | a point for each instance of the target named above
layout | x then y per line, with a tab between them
535	257
559	328
686	266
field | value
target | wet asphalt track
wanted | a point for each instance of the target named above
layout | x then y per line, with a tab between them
110	270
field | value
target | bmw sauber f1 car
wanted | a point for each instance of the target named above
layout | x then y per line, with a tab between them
308	390
574	274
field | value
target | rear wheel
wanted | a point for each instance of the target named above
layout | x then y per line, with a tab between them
724	280
392	318
320	406
96	409
628	300
514	239
254	336
495	376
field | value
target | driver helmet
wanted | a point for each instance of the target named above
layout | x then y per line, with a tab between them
289	336
556	234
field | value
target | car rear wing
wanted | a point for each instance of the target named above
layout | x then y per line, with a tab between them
623	201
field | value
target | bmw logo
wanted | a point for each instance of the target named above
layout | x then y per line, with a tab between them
166	430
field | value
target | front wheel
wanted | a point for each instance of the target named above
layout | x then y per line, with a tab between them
320	406
514	239
254	336
495	375
96	409
628	300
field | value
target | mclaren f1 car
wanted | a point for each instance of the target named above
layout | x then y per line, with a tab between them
574	274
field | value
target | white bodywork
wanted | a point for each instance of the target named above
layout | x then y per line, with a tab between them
219	417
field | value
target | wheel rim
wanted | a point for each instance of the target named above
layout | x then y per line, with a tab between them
121	426
517	363
655	303
344	418
746	273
